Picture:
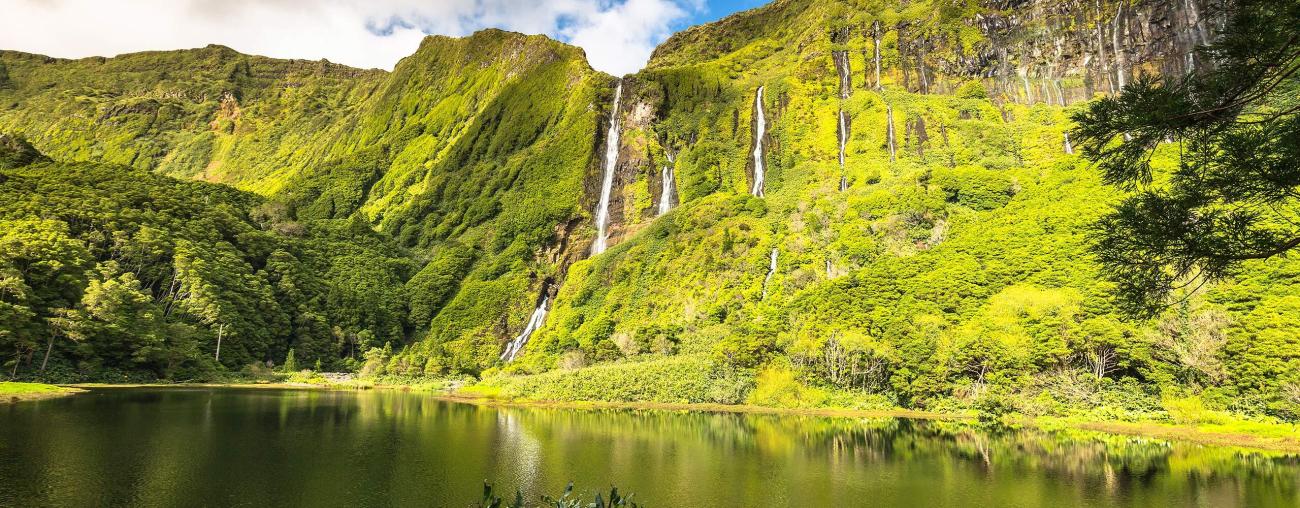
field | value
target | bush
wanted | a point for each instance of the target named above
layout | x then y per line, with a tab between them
779	386
973	90
1189	410
684	379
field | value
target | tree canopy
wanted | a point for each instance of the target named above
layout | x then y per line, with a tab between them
1231	194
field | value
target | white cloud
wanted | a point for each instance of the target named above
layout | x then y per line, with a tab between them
618	35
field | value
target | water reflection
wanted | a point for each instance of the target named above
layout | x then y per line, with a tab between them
232	447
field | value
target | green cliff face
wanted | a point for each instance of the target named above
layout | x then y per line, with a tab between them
922	206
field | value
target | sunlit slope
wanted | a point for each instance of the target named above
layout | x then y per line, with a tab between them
209	113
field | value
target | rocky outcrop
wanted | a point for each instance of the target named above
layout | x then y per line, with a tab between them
1053	51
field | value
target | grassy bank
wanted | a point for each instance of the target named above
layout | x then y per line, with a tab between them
19	392
1243	434
528	392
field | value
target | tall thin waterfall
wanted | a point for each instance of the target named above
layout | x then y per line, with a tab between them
534	322
771	270
667	180
844	139
1119	54
875	35
607	185
1069	149
666	194
889	130
760	130
841	59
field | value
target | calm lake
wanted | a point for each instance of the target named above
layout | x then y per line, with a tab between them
262	447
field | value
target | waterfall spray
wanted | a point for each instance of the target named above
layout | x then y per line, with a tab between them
760	129
607	185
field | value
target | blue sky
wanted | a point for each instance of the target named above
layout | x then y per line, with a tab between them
618	35
717	9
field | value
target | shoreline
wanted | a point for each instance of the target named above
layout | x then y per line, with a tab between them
14	392
701	407
1145	429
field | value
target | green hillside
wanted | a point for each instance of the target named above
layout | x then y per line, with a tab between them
945	264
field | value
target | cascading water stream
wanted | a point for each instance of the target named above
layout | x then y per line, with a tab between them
771	270
666	191
844	139
538	317
1069	149
841	59
607	184
875	36
1115	48
665	196
760	130
534	322
889	130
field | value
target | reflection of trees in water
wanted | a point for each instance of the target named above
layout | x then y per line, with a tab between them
525	441
172	445
1104	461
1094	462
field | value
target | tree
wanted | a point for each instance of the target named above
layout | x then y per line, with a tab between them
290	363
1233	195
42	268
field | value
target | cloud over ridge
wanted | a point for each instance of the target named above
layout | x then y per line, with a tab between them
618	35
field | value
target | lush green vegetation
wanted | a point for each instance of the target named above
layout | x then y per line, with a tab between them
16	392
117	274
1232	197
404	223
566	500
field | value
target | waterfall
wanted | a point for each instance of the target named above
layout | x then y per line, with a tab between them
771	270
1101	56
841	59
1119	54
875	34
889	130
1069	149
1029	94
760	130
607	185
844	139
534	322
666	194
666	178
828	269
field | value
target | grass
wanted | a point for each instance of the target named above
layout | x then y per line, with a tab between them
19	392
1238	433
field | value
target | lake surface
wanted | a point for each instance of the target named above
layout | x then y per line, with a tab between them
263	447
